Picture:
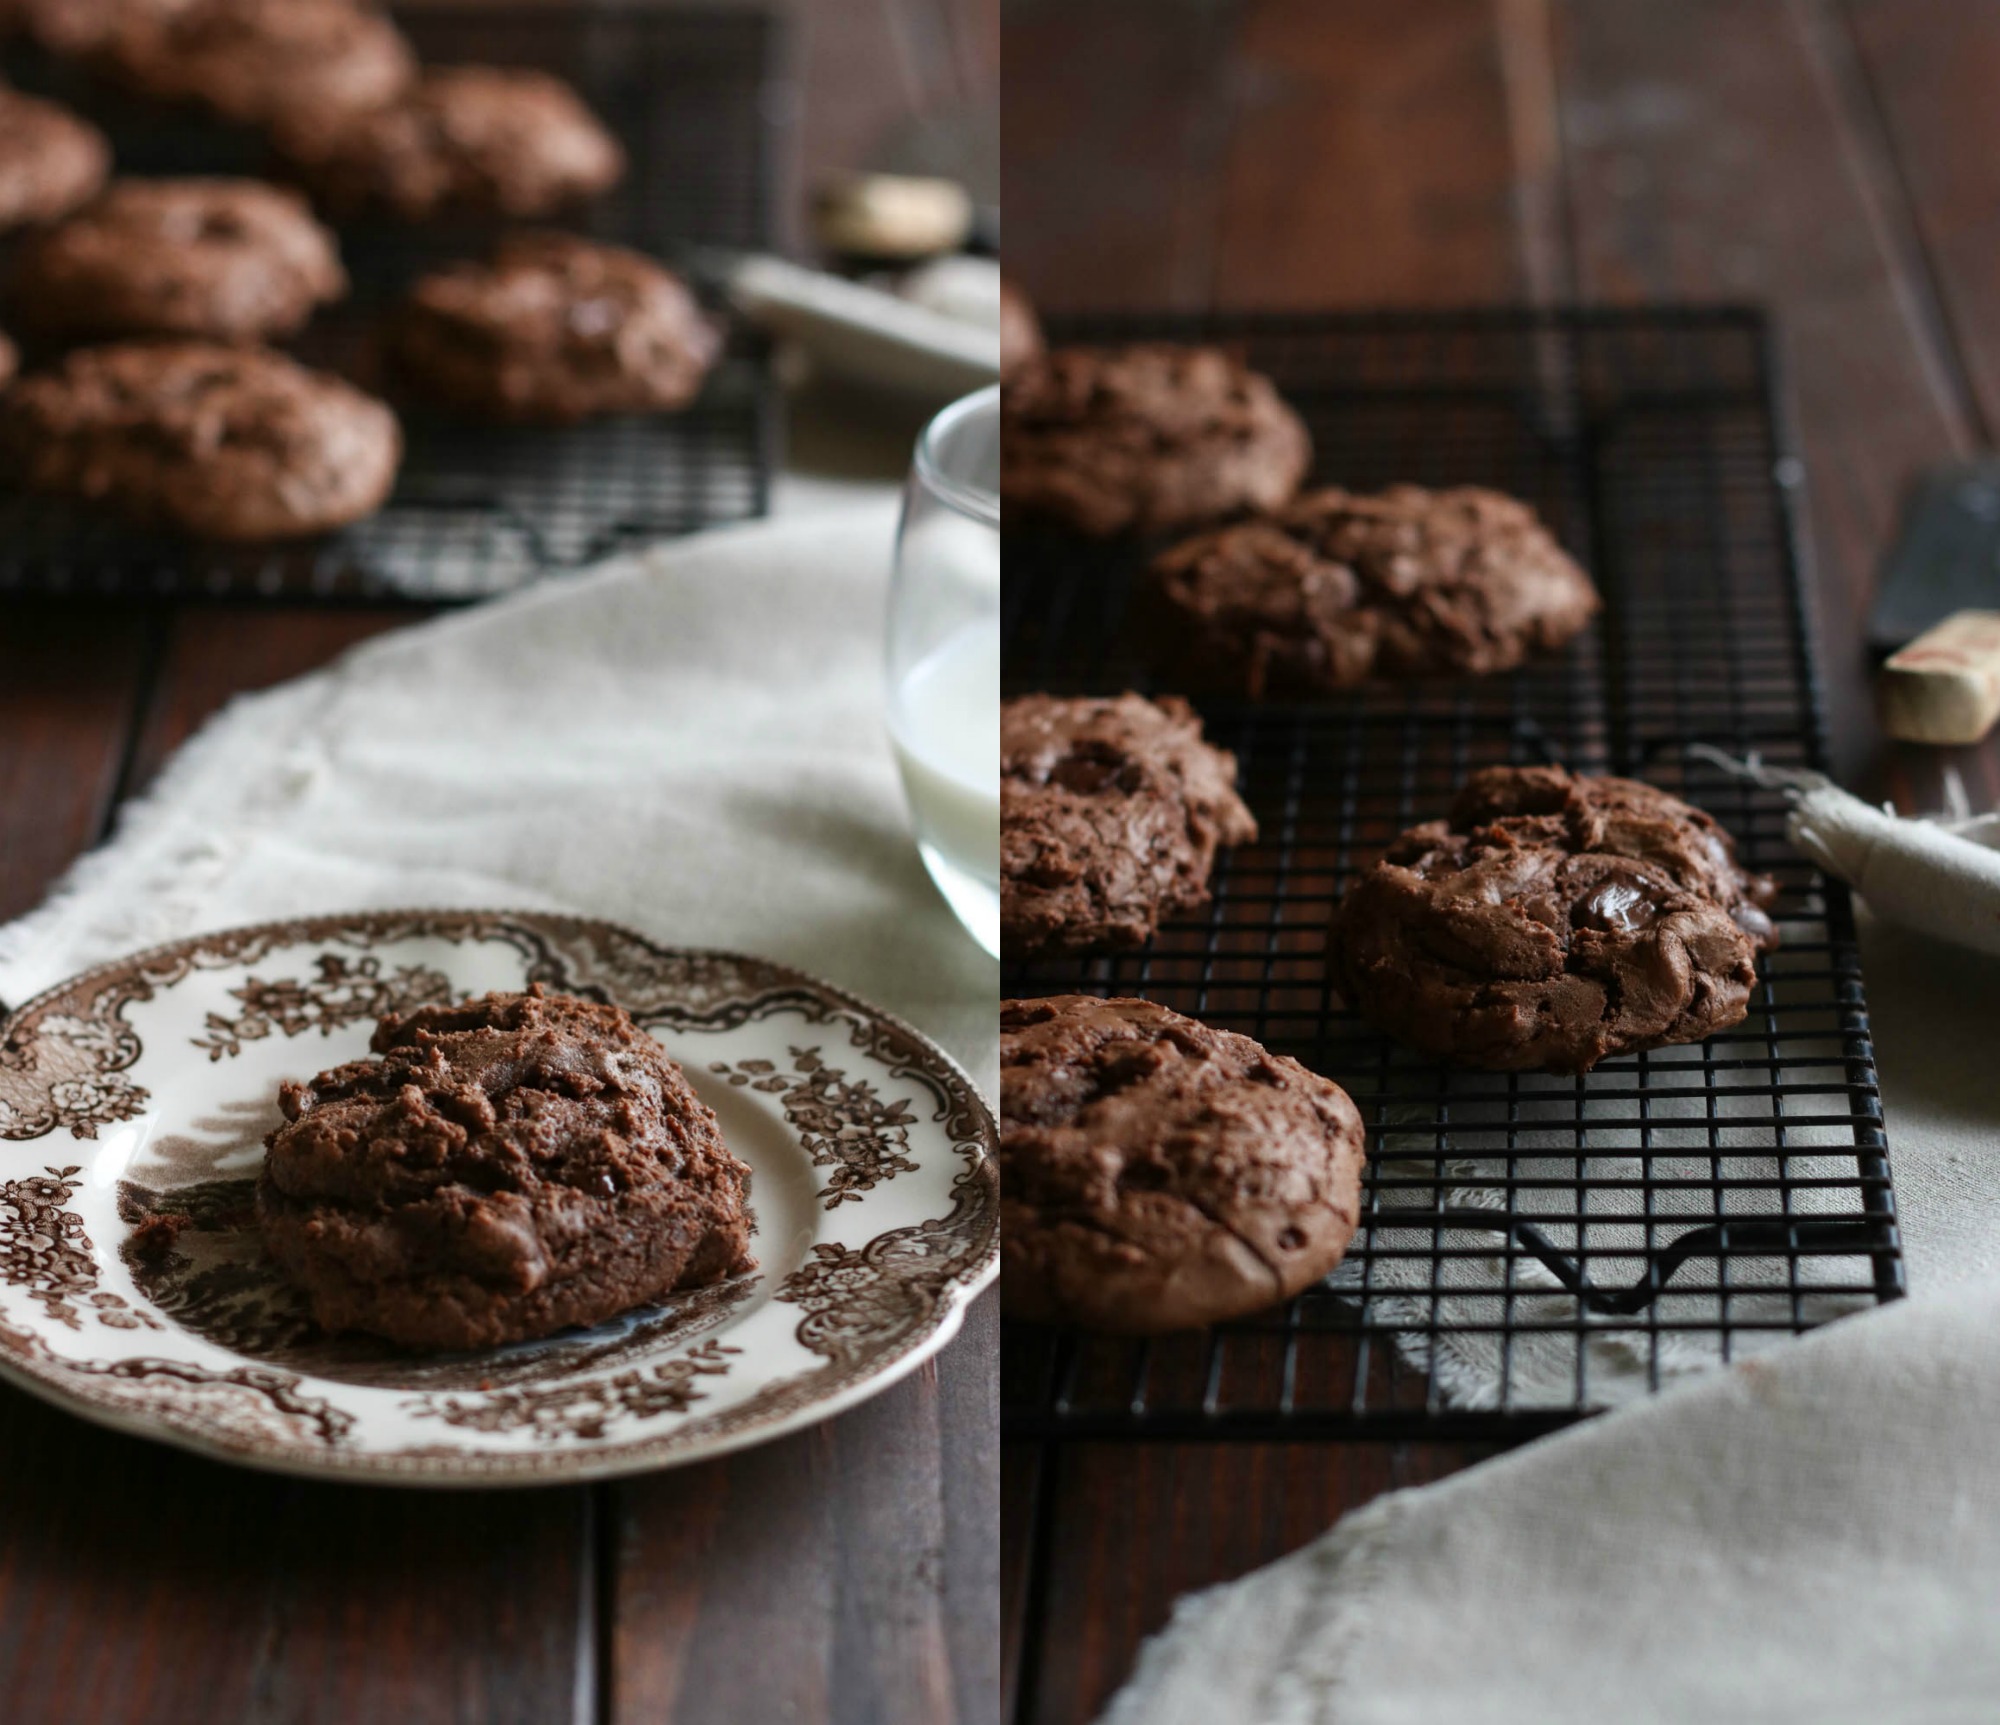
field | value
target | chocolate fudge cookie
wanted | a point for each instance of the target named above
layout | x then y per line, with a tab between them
51	162
503	1168
255	61
1552	921
555	329
1111	812
1020	329
487	139
1144	439
233	259
1157	1174
223	442
1336	588
73	27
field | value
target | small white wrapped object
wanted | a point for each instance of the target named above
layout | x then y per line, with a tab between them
1941	878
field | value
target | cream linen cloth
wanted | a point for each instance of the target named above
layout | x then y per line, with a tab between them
1810	1537
689	740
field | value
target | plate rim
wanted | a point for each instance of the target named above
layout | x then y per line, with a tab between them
533	1467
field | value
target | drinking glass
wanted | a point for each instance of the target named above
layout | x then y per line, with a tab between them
944	657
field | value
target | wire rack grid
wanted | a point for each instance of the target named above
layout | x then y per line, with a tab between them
1533	1248
693	95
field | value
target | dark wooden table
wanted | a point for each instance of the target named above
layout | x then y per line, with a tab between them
1838	160
846	1574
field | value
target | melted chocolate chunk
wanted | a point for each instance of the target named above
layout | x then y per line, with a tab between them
1551	922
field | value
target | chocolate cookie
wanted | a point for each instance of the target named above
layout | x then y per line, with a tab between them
233	259
505	1168
73	27
1111	812
224	442
488	139
1336	588
1020	330
1158	1174
50	161
10	361
256	61
1552	921
1144	439
555	329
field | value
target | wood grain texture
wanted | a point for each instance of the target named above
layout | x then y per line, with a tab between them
1720	150
69	684
1401	187
1115	118
1141	1525
844	1575
139	1584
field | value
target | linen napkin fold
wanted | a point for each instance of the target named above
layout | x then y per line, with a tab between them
1813	1536
690	741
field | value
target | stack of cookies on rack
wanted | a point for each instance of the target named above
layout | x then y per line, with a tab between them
154	309
1159	1172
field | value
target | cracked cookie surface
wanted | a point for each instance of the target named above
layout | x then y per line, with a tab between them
1554	920
51	161
225	442
259	61
1336	587
1157	1173
554	329
503	1168
1111	812
490	140
235	260
1144	439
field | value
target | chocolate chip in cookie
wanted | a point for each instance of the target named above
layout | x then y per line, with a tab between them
1157	1173
51	162
221	442
554	329
1336	588
501	1169
1111	812
1554	920
233	259
1144	439
488	140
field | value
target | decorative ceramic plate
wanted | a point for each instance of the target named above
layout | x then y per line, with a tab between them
134	1101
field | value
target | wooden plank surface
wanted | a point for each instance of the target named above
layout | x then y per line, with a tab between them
141	1585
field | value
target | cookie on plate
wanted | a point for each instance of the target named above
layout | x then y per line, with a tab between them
51	162
234	259
1551	922
488	140
1336	588
255	61
1020	330
221	442
1111	812
501	1169
1145	439
1158	1174
554	329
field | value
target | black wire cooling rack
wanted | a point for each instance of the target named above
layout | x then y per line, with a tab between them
1533	1248
479	509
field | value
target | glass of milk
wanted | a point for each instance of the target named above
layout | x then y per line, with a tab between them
944	657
